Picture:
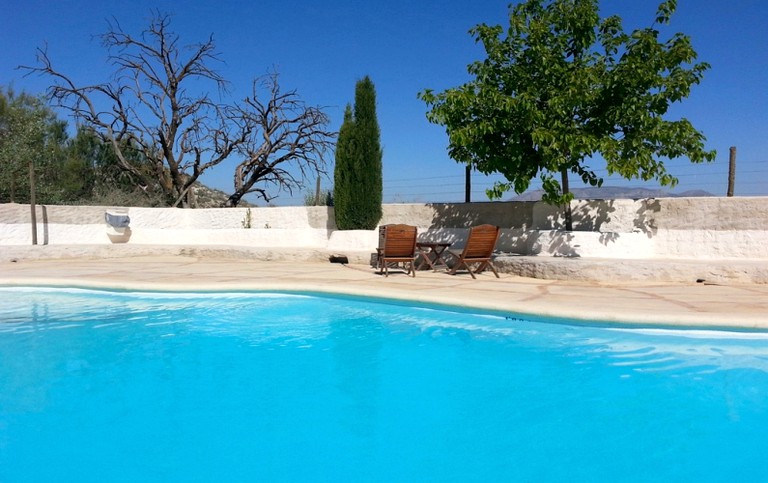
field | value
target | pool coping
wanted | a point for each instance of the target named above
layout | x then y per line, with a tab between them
719	306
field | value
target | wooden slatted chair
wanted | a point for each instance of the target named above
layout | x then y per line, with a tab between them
478	250
397	245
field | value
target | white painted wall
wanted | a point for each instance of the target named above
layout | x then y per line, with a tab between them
669	228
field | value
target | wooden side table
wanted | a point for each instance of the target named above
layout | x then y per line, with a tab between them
432	254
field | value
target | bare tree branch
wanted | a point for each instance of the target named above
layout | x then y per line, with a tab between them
180	134
288	141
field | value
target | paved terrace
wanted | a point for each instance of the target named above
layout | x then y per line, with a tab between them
636	302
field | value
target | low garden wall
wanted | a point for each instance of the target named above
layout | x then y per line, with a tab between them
668	228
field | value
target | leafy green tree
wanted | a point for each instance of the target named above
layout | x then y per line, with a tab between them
30	135
93	174
358	183
79	170
564	85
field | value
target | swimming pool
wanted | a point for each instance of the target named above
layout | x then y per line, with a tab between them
110	386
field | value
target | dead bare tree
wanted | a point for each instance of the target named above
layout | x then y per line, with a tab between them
289	141
147	105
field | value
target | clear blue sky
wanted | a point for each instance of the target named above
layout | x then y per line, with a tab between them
322	48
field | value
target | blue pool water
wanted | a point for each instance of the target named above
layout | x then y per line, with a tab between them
100	386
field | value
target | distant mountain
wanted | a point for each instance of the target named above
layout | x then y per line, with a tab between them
615	193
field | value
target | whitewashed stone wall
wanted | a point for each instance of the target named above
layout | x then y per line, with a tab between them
669	228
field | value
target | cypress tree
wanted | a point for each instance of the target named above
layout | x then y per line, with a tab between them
358	172
343	173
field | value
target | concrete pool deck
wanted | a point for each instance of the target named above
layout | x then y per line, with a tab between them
743	306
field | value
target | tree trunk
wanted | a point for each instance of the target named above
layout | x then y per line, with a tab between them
567	205
468	185
233	200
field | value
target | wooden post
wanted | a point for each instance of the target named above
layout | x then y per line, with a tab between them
317	192
32	201
467	185
731	171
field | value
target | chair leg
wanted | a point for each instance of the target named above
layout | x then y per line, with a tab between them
487	264
453	269
469	269
493	269
462	263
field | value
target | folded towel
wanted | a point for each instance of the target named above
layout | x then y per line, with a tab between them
116	220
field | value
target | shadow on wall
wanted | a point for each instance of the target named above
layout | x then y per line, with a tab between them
645	217
588	216
552	242
42	220
330	221
535	227
562	245
517	214
322	217
591	216
45	224
451	222
609	218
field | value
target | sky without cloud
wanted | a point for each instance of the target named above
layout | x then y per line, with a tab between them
322	48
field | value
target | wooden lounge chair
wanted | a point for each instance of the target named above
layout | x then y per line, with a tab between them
397	244
478	250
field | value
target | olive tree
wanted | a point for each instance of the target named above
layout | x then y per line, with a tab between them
32	144
561	85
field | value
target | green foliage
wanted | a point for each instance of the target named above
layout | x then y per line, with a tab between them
80	170
29	134
344	170
358	183
247	220
564	85
326	198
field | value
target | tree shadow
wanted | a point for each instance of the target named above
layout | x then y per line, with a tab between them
553	242
593	216
465	215
322	218
44	210
451	221
533	227
562	245
589	216
645	217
